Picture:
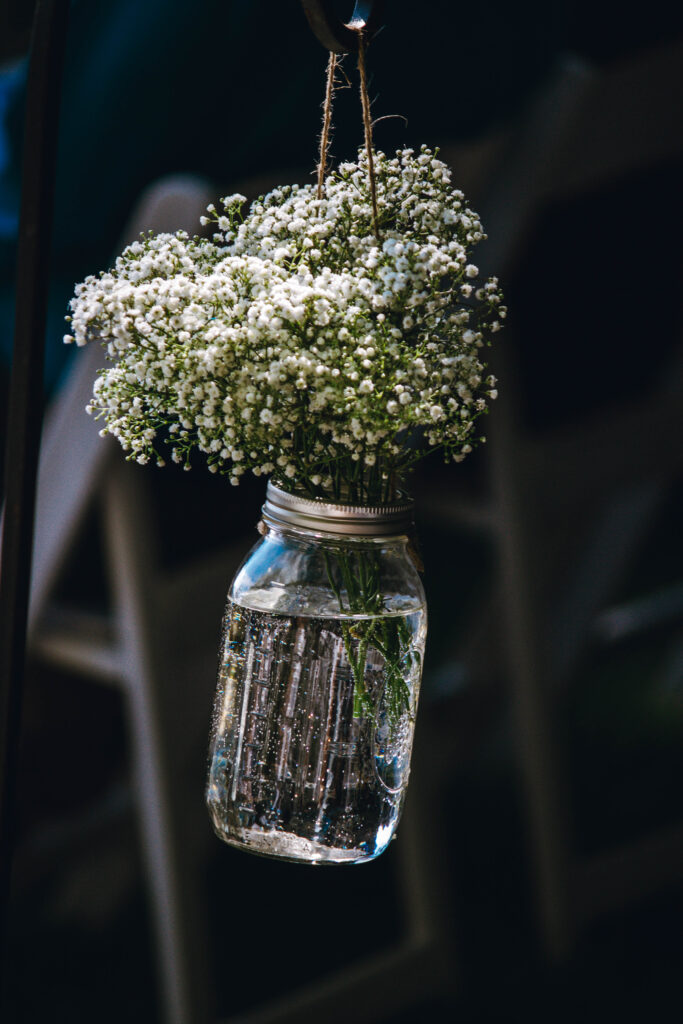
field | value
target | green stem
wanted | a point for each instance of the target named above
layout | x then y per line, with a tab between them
389	635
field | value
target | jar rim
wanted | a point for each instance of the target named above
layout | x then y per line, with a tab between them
282	508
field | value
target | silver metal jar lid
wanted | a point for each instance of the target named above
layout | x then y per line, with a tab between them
285	509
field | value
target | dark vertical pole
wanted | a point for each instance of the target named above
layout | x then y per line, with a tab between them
26	398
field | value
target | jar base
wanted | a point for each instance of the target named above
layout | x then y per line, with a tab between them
287	846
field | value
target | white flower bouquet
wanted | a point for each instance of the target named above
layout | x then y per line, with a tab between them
304	341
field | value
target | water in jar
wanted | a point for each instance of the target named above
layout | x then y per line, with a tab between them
312	733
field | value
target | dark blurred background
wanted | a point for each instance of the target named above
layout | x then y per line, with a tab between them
538	872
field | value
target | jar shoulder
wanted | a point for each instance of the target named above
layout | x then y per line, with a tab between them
300	575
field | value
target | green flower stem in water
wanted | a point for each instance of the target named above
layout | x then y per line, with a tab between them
389	635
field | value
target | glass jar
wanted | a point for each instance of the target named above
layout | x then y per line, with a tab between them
323	641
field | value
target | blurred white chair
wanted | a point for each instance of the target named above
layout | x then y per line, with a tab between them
566	509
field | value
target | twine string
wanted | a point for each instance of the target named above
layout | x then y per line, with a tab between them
327	123
367	125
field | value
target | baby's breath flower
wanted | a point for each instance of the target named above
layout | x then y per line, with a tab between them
293	342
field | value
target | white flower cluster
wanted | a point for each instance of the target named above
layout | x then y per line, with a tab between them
298	343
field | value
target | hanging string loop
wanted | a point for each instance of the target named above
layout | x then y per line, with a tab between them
339	37
327	122
367	128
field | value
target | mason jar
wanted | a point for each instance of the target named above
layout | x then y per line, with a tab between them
323	641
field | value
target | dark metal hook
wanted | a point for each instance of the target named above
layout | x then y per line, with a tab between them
333	33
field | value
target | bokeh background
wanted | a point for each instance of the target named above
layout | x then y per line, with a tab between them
538	873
